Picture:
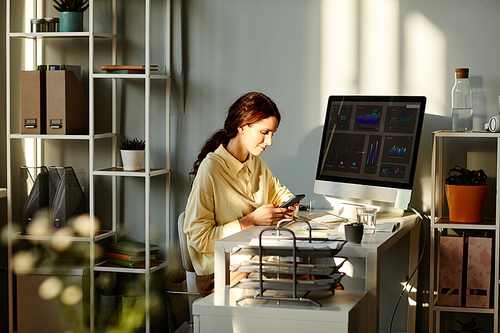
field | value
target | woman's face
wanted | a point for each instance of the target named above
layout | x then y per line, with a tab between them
257	136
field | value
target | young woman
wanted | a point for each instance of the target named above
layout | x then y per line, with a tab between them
233	189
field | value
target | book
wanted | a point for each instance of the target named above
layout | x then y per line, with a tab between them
136	67
128	257
133	264
125	71
131	247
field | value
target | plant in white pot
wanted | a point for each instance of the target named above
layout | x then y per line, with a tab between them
132	152
71	14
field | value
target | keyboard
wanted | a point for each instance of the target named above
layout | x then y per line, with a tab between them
323	217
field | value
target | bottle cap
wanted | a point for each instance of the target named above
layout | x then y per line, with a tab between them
461	73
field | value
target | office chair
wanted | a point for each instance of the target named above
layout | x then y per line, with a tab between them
192	290
186	260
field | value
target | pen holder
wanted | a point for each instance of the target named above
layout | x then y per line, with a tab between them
354	232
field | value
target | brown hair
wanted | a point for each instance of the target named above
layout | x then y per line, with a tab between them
248	109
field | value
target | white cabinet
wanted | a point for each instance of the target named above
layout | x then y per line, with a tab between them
129	205
450	149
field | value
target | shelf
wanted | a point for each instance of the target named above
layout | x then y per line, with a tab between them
487	224
105	266
102	234
442	223
48	35
62	137
130	76
473	134
463	309
118	171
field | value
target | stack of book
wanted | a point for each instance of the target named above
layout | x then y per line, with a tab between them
132	254
127	69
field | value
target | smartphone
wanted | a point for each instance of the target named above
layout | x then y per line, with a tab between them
293	200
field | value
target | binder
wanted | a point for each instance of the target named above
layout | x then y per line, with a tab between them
68	200
67	104
479	272
33	108
451	256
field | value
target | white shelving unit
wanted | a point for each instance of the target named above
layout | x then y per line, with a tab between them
149	174
440	223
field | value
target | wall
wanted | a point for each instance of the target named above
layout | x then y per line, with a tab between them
299	52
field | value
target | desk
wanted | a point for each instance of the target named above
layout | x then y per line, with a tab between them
371	248
344	312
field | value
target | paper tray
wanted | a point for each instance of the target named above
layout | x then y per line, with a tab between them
302	285
287	251
287	268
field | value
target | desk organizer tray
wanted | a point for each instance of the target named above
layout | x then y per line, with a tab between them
287	285
287	268
287	251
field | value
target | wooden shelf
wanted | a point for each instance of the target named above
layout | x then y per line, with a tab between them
70	35
118	171
106	266
487	224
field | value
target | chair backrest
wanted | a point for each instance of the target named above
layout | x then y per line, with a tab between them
186	260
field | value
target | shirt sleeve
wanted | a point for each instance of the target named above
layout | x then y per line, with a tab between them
200	225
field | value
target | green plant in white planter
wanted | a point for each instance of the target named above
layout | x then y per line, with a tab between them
132	152
71	14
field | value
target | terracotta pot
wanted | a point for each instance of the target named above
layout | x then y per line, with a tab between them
466	203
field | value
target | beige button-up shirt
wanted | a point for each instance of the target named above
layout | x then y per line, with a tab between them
223	191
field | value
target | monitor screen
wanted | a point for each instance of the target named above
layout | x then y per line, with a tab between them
370	141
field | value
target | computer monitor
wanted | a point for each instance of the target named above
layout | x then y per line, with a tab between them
369	152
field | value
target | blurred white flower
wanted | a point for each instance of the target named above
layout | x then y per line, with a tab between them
71	295
50	288
62	239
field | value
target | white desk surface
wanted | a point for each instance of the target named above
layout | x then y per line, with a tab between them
3	192
220	312
380	241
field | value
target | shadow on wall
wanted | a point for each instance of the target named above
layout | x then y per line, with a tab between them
421	197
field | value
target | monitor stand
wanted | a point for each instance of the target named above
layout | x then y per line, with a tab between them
347	208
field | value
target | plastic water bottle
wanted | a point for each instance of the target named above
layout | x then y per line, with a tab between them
461	102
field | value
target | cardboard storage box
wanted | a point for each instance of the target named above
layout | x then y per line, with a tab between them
451	256
479	272
35	314
33	110
67	104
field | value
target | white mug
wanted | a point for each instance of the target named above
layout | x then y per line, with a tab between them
494	124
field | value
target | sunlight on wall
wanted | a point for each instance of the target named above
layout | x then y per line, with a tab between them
339	48
361	52
425	60
379	47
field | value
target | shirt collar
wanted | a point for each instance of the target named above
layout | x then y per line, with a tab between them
232	162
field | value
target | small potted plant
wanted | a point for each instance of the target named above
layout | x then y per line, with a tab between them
71	14
466	192
132	152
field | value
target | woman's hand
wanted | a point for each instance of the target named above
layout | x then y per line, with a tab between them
265	215
290	212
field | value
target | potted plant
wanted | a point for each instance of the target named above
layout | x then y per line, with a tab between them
71	14
132	152
466	194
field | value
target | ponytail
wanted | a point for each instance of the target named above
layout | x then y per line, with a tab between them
218	138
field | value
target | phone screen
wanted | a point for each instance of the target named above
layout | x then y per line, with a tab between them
293	200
